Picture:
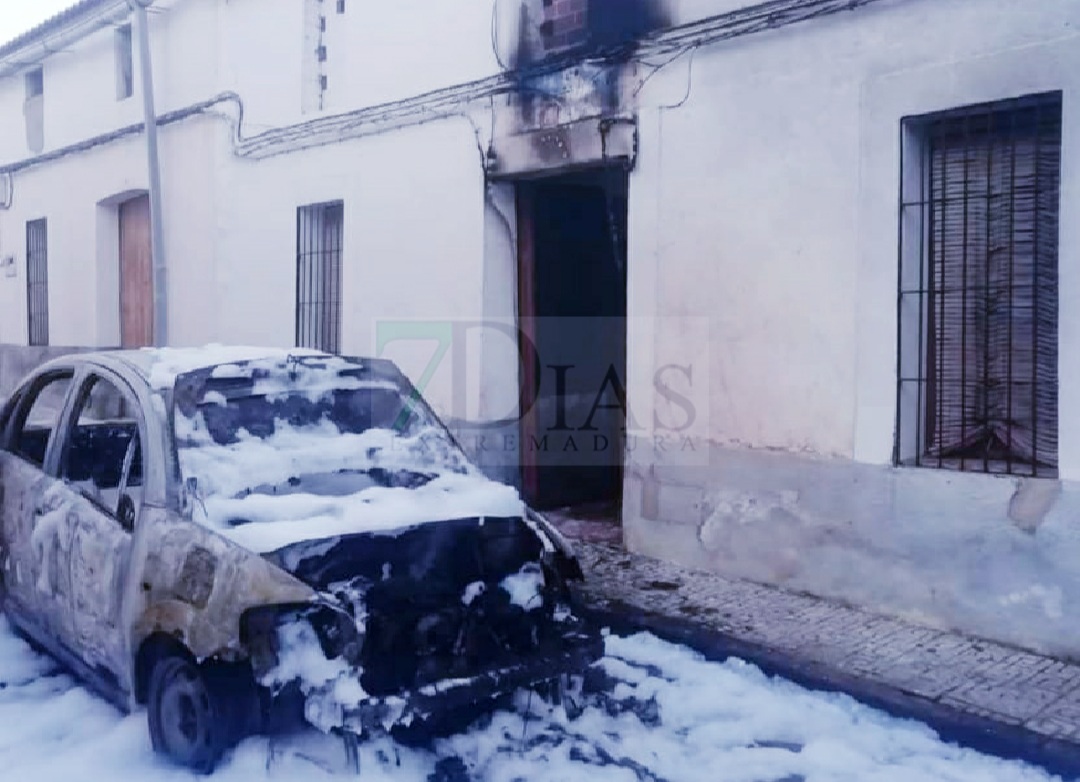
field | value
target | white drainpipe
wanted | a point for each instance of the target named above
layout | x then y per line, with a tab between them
157	228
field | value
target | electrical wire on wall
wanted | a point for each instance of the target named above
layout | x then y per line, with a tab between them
670	45
495	35
130	130
655	68
477	133
689	83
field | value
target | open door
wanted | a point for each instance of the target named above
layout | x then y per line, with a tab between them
572	317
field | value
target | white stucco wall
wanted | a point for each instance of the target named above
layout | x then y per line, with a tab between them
78	193
413	240
374	54
405	48
414	199
768	202
80	80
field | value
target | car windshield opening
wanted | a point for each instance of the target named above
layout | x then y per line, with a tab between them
306	427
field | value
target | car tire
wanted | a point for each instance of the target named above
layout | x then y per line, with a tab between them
187	722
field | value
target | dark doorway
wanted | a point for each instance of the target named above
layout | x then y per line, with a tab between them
572	313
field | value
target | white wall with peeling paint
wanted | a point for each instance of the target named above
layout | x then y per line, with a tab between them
768	200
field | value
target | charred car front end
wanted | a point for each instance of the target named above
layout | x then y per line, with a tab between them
432	587
419	624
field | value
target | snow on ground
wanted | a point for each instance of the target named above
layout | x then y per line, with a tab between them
672	716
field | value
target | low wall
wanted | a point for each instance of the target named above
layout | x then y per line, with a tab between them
16	361
994	557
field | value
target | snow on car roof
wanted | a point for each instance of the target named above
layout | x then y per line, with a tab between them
161	366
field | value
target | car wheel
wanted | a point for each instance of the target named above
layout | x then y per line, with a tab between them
184	715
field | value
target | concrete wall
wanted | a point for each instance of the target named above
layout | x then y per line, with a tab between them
17	361
768	203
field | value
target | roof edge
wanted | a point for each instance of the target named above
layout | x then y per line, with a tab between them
53	24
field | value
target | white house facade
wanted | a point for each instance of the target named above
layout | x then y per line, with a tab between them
787	282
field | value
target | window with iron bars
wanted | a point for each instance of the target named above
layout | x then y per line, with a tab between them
37	282
319	234
977	382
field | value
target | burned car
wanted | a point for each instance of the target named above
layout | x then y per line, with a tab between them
241	538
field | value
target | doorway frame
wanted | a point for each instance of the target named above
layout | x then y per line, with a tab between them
525	268
108	265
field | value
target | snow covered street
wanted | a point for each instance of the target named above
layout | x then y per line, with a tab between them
671	716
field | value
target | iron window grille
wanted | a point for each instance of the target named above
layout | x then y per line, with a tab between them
319	234
37	282
977	384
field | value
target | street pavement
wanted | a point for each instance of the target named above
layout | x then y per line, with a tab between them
997	699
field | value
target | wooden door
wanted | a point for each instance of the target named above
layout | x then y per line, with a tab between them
136	270
526	279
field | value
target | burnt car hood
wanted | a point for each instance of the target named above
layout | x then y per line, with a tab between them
448	562
274	519
447	555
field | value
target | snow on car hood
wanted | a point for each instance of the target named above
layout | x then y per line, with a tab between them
287	450
273	522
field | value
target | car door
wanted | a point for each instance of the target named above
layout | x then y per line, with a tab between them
101	465
36	525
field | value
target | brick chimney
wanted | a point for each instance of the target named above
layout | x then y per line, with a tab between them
565	24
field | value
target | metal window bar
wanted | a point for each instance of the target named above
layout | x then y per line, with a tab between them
37	282
319	241
985	378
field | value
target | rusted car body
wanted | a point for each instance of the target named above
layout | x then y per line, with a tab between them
170	533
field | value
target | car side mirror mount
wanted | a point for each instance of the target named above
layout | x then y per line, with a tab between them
191	496
126	513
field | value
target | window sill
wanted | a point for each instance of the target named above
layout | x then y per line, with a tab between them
998	468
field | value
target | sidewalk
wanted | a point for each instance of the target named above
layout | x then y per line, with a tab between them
984	695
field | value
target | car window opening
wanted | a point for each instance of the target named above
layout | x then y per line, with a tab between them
40	417
103	455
